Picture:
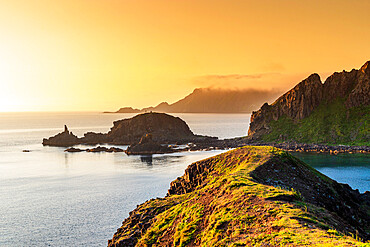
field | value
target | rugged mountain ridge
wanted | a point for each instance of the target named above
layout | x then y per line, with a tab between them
209	100
250	196
350	90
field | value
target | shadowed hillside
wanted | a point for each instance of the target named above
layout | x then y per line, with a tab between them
208	100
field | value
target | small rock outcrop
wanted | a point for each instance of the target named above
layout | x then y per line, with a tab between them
97	149
64	139
146	145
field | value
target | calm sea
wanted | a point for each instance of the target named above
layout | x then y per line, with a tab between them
52	198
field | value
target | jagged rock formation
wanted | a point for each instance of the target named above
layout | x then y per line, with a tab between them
148	146
63	139
209	100
349	90
249	196
163	128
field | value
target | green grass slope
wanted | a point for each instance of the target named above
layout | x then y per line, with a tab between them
245	197
330	123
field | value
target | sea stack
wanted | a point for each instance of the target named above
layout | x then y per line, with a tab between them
63	139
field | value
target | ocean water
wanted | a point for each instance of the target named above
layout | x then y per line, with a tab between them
52	198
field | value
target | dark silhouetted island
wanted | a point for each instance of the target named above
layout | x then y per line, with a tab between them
163	128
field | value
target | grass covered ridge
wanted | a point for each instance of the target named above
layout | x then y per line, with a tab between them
230	208
330	123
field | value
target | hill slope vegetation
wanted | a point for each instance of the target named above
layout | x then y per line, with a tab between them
250	196
336	112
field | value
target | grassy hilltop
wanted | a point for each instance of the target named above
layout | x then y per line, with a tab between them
251	196
331	123
335	112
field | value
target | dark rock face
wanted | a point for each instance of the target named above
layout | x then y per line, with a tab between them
195	175
140	220
305	97
63	139
73	150
148	146
297	103
360	94
97	149
163	128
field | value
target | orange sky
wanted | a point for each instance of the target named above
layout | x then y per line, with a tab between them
105	54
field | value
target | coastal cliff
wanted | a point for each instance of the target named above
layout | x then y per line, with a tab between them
250	196
336	111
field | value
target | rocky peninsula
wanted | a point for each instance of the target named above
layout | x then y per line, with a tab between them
250	196
163	128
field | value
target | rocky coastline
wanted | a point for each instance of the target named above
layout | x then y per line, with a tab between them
286	146
142	148
157	133
164	129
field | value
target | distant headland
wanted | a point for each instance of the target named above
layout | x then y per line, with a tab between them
210	100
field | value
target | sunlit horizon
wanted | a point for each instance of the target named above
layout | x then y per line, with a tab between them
63	56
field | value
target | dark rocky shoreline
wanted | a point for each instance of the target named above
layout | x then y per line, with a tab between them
155	133
287	146
230	144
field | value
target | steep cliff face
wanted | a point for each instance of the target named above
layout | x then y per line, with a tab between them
352	89
250	196
360	95
297	103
